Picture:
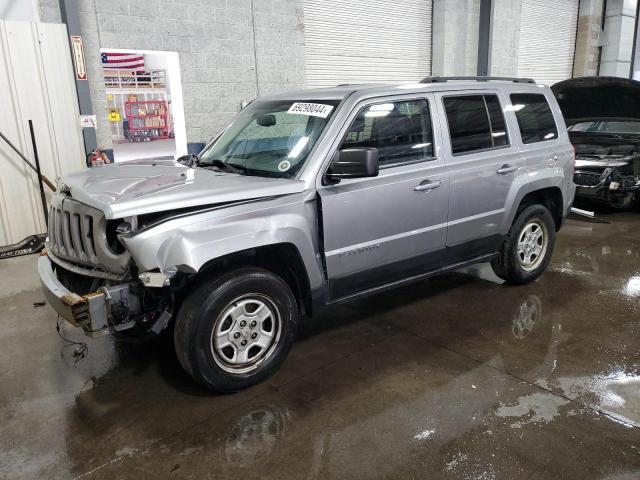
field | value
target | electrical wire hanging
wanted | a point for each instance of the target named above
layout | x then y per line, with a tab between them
81	349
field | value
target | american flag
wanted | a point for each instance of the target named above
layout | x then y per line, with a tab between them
122	61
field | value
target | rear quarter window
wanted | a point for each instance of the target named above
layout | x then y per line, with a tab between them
535	119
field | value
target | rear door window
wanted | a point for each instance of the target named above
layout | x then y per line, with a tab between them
476	122
401	131
535	120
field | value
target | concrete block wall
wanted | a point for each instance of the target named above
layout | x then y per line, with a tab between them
216	45
49	11
455	37
588	38
504	37
619	29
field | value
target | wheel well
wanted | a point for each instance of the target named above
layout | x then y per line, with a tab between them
283	259
549	197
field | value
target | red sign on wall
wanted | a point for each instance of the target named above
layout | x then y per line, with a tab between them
77	50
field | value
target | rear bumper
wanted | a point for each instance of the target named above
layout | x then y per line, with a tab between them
88	311
568	205
572	196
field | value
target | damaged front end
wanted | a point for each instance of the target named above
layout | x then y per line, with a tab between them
603	119
90	280
608	174
102	306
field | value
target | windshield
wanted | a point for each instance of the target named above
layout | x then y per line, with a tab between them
270	138
604	126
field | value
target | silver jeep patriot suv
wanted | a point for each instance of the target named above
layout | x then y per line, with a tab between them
309	199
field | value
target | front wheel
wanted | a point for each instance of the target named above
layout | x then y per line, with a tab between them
527	248
236	330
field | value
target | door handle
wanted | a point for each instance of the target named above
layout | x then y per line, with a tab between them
506	168
427	185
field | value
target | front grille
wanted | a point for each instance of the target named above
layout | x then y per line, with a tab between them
77	233
587	179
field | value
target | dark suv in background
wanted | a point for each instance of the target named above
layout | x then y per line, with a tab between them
603	119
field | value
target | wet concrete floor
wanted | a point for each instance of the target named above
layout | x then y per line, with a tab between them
455	377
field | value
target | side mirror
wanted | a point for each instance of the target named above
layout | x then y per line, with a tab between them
354	163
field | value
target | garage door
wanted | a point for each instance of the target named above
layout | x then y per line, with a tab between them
377	41
547	39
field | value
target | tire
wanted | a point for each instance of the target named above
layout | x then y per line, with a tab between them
209	329
513	266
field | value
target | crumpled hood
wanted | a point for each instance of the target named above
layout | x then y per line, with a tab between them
122	190
598	98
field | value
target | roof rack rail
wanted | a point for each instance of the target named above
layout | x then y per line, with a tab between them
478	79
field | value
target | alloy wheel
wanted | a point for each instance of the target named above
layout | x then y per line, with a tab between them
246	333
532	245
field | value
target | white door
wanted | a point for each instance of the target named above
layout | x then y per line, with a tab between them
37	83
377	41
547	40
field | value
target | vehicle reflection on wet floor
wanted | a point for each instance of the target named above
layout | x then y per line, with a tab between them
455	377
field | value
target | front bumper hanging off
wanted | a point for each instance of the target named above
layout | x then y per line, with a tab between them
90	312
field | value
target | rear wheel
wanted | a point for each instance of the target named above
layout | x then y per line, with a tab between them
527	248
236	330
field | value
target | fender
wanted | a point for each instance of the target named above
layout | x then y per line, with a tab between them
527	182
187	243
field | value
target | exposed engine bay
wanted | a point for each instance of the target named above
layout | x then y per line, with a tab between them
120	306
602	115
607	171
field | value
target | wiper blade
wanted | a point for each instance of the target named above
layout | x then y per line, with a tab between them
233	168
